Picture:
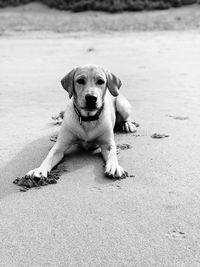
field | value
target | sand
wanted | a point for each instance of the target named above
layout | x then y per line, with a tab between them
149	219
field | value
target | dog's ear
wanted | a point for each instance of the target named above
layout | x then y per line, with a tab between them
68	82
113	83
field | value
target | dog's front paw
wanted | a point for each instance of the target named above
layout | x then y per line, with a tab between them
128	126
38	172
115	171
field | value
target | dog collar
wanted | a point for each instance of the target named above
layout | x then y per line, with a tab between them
88	118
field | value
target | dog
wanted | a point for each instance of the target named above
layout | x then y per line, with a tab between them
95	106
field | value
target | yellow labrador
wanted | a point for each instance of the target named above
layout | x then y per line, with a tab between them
90	117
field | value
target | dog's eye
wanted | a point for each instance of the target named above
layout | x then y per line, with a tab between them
81	81
100	81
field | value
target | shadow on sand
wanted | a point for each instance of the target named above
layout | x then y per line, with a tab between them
32	155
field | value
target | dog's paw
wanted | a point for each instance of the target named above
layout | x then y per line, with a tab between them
128	127
115	171
38	172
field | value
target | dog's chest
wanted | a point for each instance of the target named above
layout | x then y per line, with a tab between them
88	133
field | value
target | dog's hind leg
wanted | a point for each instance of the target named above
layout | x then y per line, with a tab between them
123	109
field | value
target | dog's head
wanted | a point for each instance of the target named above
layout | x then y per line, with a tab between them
87	84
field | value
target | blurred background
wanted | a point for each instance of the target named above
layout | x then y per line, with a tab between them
63	16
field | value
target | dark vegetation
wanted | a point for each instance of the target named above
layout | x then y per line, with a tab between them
104	5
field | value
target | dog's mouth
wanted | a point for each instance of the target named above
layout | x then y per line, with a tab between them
91	106
87	107
91	110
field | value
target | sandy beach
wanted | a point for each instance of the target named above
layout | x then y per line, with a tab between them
150	219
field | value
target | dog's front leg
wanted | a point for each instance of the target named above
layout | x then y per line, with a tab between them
53	158
113	169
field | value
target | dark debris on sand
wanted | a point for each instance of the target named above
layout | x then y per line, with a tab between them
159	136
181	118
124	146
26	182
58	119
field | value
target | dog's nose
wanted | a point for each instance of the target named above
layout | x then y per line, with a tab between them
90	99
